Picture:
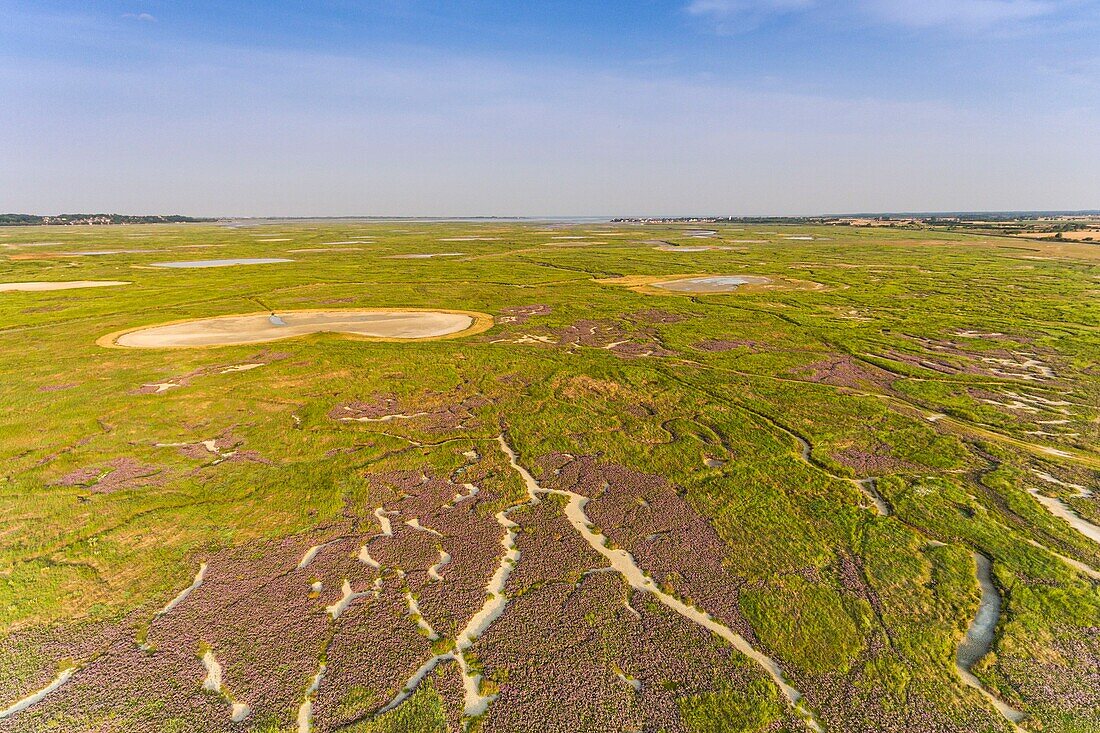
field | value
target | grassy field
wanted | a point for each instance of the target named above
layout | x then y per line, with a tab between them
720	439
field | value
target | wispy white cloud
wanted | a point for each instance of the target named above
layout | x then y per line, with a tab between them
961	14
143	17
958	15
734	7
733	16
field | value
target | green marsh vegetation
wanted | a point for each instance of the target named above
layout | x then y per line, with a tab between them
954	369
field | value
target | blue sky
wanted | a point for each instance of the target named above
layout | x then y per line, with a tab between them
416	107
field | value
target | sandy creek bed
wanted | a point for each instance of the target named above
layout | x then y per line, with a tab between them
38	695
261	327
623	563
979	637
476	701
1064	511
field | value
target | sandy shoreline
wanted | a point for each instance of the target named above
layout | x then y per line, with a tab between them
378	324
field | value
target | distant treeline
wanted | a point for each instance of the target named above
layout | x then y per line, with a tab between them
924	218
11	220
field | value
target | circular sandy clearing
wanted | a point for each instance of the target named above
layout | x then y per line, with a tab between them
35	287
376	324
704	284
222	263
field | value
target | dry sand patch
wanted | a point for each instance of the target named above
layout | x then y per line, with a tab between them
97	252
251	328
327	249
35	287
222	263
1078	236
424	256
687	248
708	284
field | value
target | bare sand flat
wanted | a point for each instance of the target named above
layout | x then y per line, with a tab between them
327	249
1078	236
255	328
425	256
711	284
706	283
222	263
35	287
97	252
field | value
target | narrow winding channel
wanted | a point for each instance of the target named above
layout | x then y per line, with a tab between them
1063	511
37	696
979	638
623	563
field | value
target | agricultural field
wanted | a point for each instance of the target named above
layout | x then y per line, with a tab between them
424	477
